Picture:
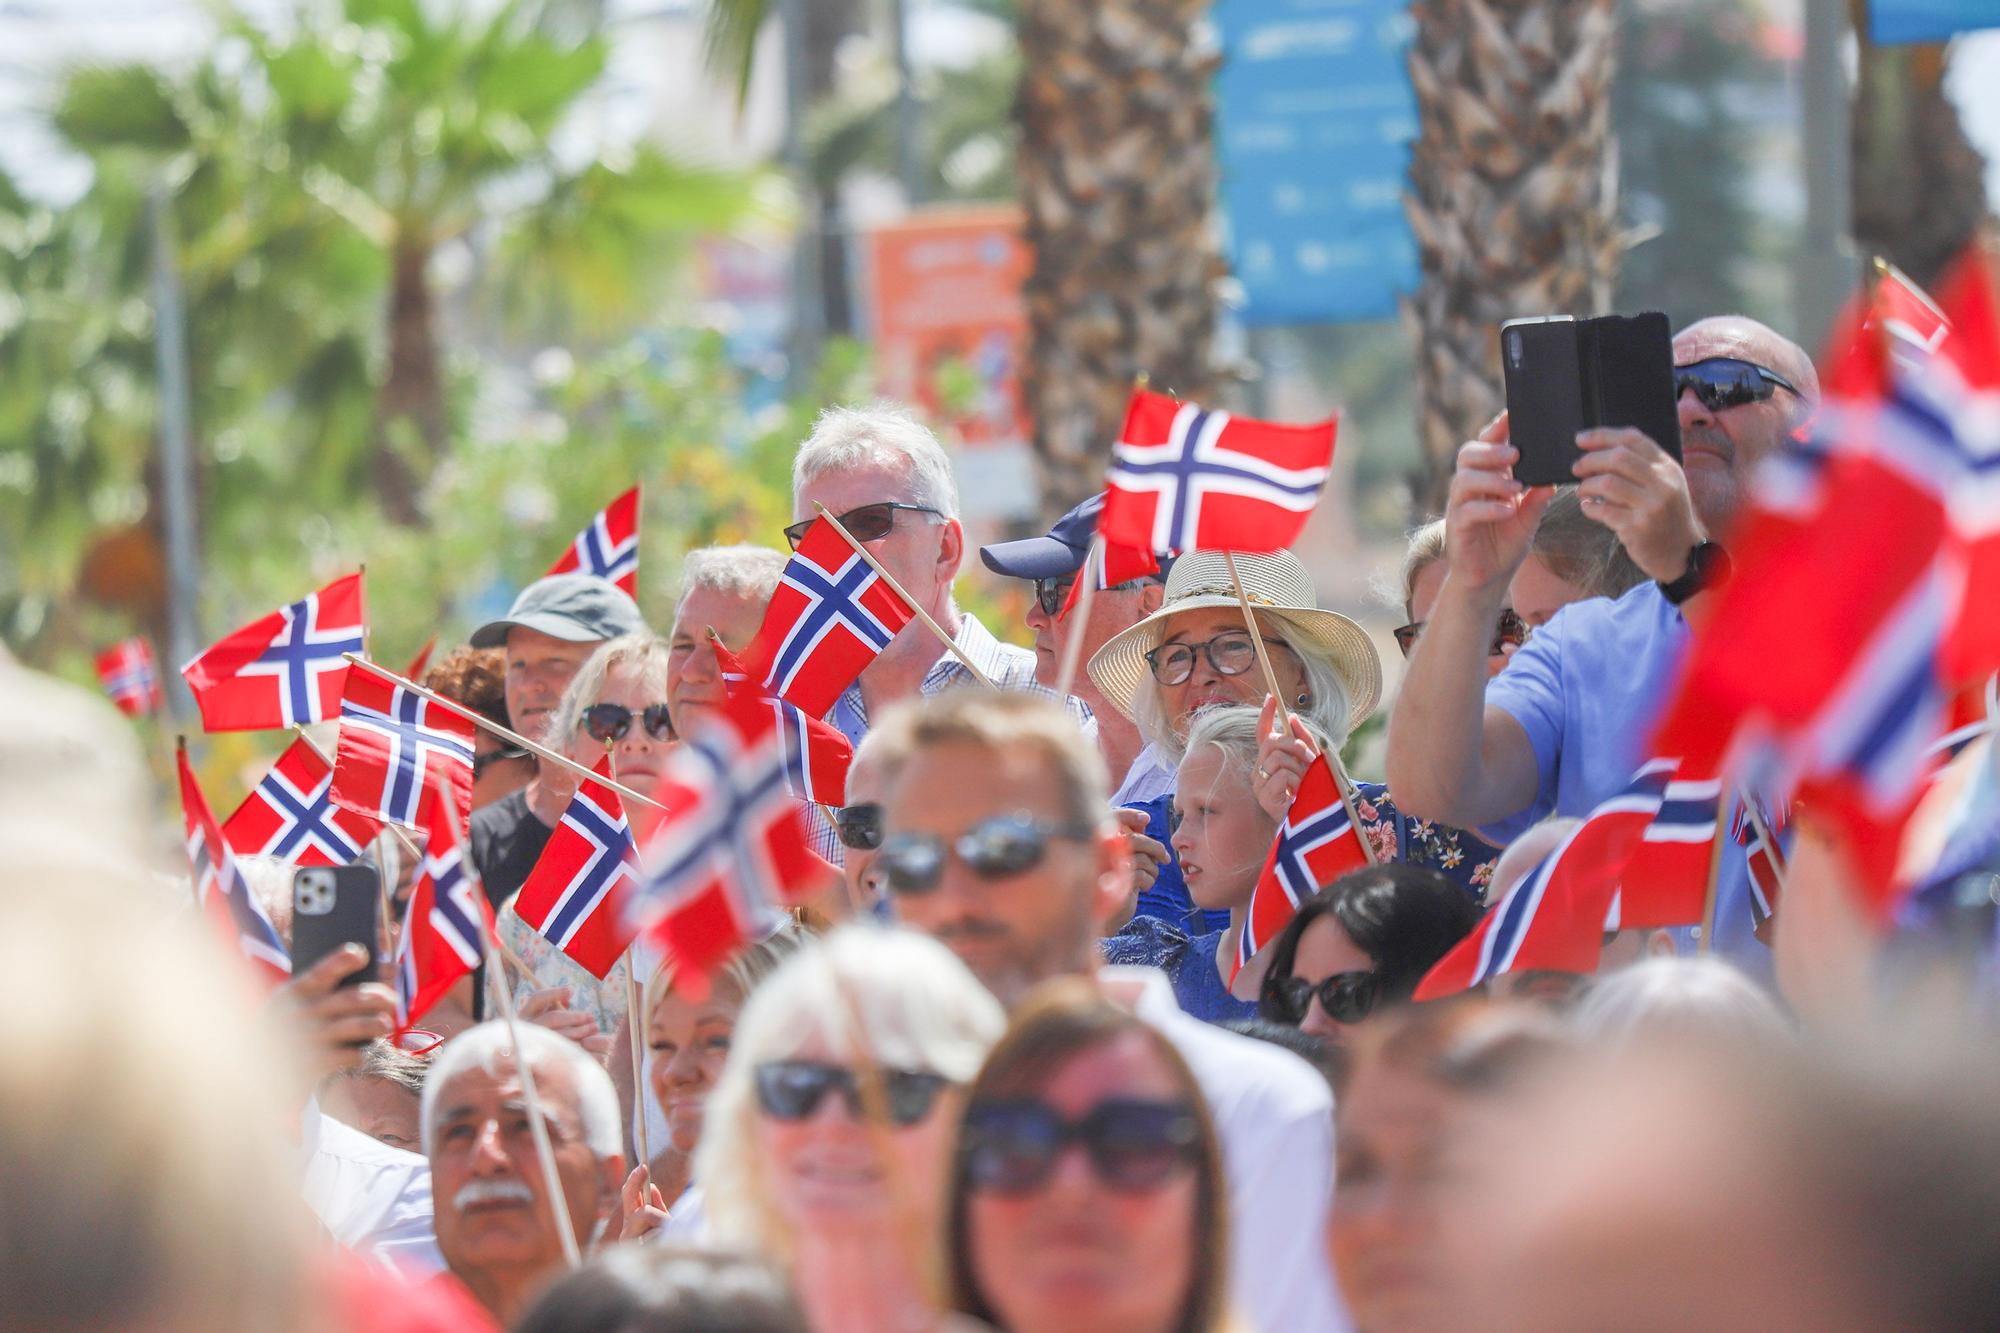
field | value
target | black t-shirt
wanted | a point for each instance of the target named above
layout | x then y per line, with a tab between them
507	840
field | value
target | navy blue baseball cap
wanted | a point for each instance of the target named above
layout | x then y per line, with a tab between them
1059	555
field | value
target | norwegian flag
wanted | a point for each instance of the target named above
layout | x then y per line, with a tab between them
1765	857
575	895
1905	315
283	670
1666	881
730	849
290	814
397	749
1973	713
1185	478
828	619
1868	563
1554	919
130	678
609	547
1112	565
817	754
445	929
220	891
1317	843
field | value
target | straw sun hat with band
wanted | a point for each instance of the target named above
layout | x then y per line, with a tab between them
1277	587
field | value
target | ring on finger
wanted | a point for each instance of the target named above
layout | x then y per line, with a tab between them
1262	772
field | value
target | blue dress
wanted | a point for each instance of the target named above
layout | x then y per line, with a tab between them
1188	961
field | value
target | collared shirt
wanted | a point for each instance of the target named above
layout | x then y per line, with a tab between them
371	1198
1149	778
1586	689
1007	666
1274	1116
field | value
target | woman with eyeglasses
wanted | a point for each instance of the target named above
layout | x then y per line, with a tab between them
1361	944
829	1133
1423	578
1087	1192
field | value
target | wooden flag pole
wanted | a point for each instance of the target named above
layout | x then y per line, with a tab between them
512	737
1333	763
897	588
634	1020
1072	655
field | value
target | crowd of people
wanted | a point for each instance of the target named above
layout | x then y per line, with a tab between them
1010	1068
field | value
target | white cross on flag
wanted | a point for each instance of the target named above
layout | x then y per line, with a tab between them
284	669
398	750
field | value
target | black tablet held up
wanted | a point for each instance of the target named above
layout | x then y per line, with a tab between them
1566	375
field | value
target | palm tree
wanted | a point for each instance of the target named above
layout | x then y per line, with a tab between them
1513	195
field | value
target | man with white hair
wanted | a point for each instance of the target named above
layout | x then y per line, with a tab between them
494	1225
885	477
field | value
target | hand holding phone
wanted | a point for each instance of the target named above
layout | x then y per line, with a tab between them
333	906
1565	376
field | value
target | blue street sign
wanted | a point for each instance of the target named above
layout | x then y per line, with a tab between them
1314	117
1928	20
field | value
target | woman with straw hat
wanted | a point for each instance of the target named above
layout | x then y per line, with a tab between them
1196	652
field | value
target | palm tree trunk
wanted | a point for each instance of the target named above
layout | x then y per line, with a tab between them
410	423
1117	178
1919	183
1513	196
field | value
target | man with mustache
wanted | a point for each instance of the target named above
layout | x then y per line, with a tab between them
1562	727
1000	843
494	1226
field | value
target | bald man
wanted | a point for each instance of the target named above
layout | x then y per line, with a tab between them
1563	726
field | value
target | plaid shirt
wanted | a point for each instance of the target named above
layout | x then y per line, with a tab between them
1007	666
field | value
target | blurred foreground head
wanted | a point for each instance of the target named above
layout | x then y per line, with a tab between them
1727	1187
145	1180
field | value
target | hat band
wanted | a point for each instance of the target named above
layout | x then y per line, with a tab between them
1256	598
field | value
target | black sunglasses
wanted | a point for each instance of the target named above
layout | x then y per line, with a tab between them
1050	594
1231	653
610	722
859	827
1011	1147
868	523
998	847
1723	382
1347	997
482	762
794	1089
1511	629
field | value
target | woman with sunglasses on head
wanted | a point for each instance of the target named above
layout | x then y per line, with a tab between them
1087	1190
829	1133
1360	944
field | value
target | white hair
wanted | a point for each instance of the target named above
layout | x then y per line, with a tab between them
1325	712
489	1043
881	434
748	572
1701	997
917	1006
1232	729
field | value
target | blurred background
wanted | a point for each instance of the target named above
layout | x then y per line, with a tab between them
290	285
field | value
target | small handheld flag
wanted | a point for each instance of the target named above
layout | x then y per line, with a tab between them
445	930
397	751
1184	478
817	754
575	895
220	891
282	670
830	617
1317	843
130	677
290	814
608	548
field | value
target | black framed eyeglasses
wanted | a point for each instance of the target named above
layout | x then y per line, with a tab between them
608	723
859	827
482	762
1723	382
1511	629
1133	1144
793	1090
1347	997
867	523
1231	653
999	847
1050	594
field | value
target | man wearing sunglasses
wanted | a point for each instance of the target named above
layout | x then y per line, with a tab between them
884	476
999	842
1563	726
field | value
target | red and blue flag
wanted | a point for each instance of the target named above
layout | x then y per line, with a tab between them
817	753
609	546
575	895
399	751
221	892
282	670
130	677
1317	843
445	928
290	814
830	617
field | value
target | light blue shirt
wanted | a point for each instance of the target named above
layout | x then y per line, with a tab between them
1587	687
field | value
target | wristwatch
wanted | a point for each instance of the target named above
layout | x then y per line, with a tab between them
1708	567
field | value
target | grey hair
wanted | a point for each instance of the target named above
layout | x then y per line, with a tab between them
1325	712
882	433
1426	548
1702	997
1232	729
886	995
641	649
487	1044
389	1062
748	572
